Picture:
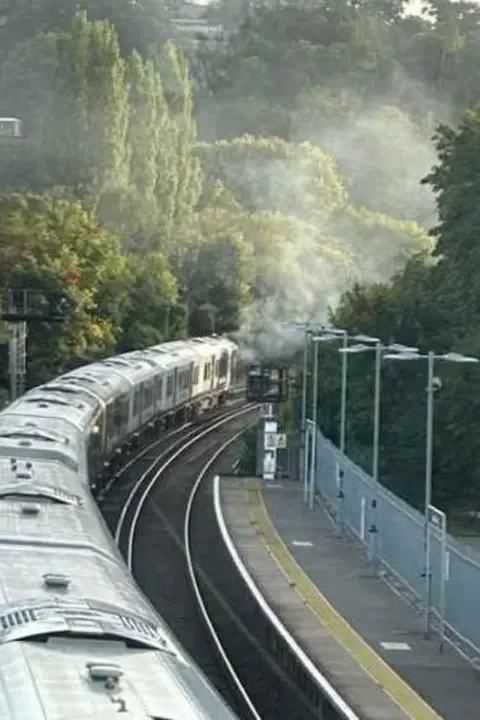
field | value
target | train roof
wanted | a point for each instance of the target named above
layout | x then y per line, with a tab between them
42	500
99	379
39	479
27	436
72	393
69	681
26	444
181	353
154	360
134	369
44	404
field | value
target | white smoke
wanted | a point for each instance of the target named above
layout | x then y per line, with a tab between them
383	155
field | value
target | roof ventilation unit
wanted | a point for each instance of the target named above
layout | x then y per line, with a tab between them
56	580
24	475
30	509
104	671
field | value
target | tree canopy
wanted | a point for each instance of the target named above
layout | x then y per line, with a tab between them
175	185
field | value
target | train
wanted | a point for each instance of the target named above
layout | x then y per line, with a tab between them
78	639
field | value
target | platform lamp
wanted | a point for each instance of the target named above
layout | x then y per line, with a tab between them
433	384
366	343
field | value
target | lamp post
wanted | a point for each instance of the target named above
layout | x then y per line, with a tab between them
303	429
313	463
330	334
359	348
379	349
333	334
307	332
433	384
316	339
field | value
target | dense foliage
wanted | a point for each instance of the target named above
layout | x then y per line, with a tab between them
433	304
268	178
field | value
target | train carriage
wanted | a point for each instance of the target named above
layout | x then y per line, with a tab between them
181	359
42	415
161	367
72	616
138	373
115	392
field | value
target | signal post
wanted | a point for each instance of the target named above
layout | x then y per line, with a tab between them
268	384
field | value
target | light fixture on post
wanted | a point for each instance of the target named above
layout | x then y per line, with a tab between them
433	384
331	334
359	348
316	339
308	331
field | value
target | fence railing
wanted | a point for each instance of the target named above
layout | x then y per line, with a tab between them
400	542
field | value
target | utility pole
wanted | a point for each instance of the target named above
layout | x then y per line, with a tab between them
24	306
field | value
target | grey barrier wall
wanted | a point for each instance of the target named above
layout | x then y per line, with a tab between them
400	540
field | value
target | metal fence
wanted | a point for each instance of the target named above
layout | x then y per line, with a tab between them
400	541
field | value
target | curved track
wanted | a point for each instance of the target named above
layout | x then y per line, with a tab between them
117	496
238	621
141	509
168	533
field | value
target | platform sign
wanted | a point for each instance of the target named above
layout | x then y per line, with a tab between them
275	441
267	383
270	441
270	427
269	465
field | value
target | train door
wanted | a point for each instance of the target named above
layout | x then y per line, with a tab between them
233	368
212	372
191	379
176	391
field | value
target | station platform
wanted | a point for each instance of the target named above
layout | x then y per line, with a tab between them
365	639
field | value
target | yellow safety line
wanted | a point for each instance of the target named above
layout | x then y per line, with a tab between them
393	685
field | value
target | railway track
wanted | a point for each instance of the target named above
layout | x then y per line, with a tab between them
161	510
118	491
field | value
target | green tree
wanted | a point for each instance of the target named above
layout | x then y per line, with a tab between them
87	141
149	317
140	25
57	246
456	182
188	176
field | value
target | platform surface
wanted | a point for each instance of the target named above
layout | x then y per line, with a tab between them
366	640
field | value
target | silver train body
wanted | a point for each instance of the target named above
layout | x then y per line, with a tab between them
77	637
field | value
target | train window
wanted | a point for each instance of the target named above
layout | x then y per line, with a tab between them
196	375
159	388
110	420
216	368
170	386
184	379
147	394
118	414
206	374
137	401
223	365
